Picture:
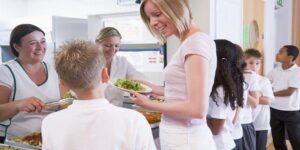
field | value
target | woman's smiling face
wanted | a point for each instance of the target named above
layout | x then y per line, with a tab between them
32	47
111	46
159	21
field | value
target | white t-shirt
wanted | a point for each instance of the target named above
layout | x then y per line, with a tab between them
25	123
237	130
176	87
282	80
175	76
120	69
261	114
224	140
96	124
251	84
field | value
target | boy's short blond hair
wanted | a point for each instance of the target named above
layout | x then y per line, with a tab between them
79	64
178	11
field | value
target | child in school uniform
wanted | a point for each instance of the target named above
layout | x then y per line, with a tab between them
91	123
245	112
250	90
285	108
261	114
226	95
237	130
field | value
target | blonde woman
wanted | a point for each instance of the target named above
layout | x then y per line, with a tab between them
188	77
109	40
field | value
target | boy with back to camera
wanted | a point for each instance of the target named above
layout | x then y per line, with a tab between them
260	114
285	108
91	123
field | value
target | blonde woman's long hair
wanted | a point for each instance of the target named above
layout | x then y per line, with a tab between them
178	11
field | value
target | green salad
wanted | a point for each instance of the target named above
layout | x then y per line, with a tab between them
67	95
129	85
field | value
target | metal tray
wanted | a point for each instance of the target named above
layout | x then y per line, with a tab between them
8	147
21	146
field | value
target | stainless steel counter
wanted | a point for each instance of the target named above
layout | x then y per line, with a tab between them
127	103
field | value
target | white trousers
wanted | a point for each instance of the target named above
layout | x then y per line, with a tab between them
198	137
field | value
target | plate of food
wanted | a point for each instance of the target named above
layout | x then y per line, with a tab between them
130	85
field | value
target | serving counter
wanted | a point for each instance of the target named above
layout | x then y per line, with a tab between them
11	145
127	103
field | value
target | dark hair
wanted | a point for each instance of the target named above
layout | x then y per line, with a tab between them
229	74
19	32
251	52
292	51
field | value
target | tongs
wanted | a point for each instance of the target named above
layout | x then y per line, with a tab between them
58	105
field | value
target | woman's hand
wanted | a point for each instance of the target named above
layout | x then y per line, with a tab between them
156	90
30	104
139	99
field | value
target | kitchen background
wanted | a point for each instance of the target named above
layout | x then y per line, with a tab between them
262	24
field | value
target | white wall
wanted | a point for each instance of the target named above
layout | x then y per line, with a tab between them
283	25
201	14
10	9
76	8
13	8
0	56
228	20
269	36
67	8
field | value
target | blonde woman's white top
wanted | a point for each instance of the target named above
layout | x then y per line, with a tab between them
175	76
202	45
218	110
120	69
24	123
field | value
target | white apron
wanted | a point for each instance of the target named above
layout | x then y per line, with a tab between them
23	87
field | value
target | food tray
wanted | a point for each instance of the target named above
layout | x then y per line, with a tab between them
20	146
8	147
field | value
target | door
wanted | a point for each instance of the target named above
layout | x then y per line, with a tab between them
253	24
228	20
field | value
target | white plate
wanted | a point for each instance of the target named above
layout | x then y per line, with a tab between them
147	89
